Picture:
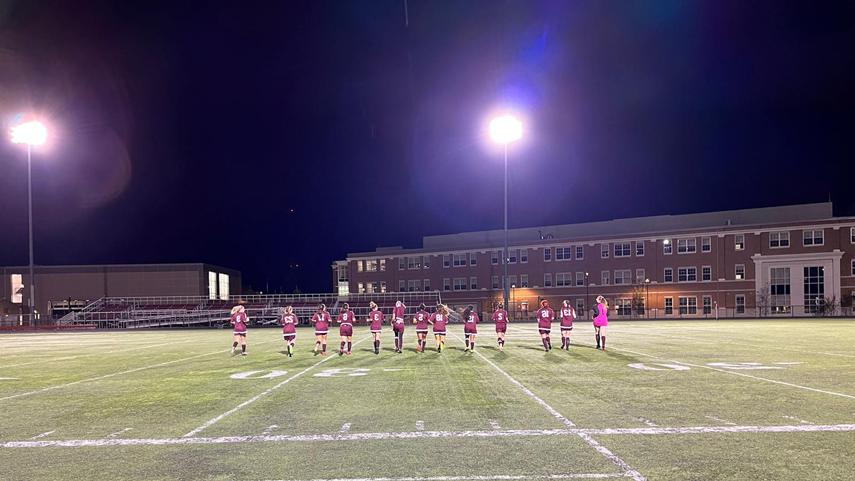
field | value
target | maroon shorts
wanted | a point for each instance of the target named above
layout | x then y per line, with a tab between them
289	336
501	328
345	330
470	330
544	330
567	328
398	327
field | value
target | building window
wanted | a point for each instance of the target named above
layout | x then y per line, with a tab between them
494	257
523	280
669	275
369	287
212	287
687	274
547	254
473	259
382	264
667	247
512	281
547	280
814	288
371	265
779	289
223	285
813	237
706	273
473	283
739	272
779	240
604	251
426	263
740	304
687	246
852	235
624	306
523	256
383	286
622	249
562	253
426	284
459	260
359	266
513	255
402	285
688	305
563	279
446	260
640	276
604	276
623	276
414	262
494	281
446	284
459	283
414	285
706	244
639	248
707	305
580	278
852	272
739	242
669	306
580	307
580	252
402	263
360	288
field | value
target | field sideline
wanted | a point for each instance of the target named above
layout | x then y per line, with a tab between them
669	400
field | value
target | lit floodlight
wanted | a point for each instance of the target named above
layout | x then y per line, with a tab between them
30	133
505	129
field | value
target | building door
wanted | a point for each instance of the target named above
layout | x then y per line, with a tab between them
814	288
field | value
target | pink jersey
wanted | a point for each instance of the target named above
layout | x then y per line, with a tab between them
422	320
545	316
321	320
567	316
439	321
602	318
289	322
345	317
239	320
470	324
500	317
376	320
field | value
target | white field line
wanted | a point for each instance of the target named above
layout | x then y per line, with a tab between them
98	378
726	371
251	400
43	435
310	438
477	477
66	358
614	459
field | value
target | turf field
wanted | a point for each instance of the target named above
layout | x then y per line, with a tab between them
697	400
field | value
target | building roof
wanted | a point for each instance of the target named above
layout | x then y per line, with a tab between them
122	267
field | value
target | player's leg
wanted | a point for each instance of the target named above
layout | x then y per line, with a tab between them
243	344
317	344
349	344
235	342
324	344
603	336
597	335
543	340
472	341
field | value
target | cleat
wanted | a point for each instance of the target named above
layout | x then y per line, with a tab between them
243	354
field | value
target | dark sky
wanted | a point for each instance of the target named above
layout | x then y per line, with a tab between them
261	135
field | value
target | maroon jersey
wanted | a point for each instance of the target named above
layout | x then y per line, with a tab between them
239	321
345	318
422	320
545	316
322	321
439	321
567	316
500	317
289	323
375	318
470	324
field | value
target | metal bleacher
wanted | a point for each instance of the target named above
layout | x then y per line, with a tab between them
201	311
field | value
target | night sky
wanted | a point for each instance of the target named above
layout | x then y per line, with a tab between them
265	135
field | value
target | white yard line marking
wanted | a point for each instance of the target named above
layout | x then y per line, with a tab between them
119	433
251	400
720	420
614	459
494	425
8	379
727	371
420	425
345	428
793	418
478	477
66	358
43	435
310	438
647	422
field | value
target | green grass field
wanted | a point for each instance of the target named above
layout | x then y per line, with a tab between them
689	400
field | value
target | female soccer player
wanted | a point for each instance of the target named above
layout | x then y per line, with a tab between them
500	317
397	322
470	327
321	320
545	316
345	321
438	320
601	321
421	322
288	320
567	316
375	319
239	320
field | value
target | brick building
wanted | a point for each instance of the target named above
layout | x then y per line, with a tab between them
790	260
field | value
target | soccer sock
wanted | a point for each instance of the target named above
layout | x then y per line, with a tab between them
342	345
597	336
376	345
548	343
323	348
234	344
243	348
604	341
349	344
545	346
467	342
563	342
317	345
472	345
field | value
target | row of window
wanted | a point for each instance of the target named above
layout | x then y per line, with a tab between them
686	305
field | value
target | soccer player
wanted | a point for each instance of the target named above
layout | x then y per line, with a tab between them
321	320
500	317
397	322
375	320
345	321
438	320
421	322
470	327
601	320
545	315
239	320
289	320
567	316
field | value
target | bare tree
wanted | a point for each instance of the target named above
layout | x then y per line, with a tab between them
638	300
764	296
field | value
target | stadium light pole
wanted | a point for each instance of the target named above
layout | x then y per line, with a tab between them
30	133
504	130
